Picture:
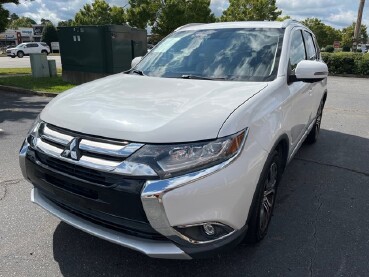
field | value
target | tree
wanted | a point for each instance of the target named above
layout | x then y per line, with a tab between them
4	14
175	13
244	10
14	16
66	23
45	21
49	34
283	18
99	13
143	12
348	34
21	22
325	34
118	15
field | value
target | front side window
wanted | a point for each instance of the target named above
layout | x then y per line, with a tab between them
310	46
297	49
240	54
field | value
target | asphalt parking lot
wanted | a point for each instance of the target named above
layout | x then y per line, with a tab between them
320	225
8	62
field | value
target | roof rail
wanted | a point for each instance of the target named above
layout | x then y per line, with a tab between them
288	22
188	25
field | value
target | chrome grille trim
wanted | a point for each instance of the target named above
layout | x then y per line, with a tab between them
55	136
112	155
114	150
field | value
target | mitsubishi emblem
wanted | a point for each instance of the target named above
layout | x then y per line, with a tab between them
71	151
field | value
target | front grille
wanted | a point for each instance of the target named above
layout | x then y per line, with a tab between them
110	225
87	174
78	172
93	159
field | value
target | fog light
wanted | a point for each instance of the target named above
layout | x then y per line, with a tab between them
209	229
204	232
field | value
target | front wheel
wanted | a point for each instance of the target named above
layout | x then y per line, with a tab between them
262	208
20	54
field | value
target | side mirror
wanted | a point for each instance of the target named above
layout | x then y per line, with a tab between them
135	61
311	71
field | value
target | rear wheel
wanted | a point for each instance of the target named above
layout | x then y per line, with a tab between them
20	54
314	132
262	208
44	52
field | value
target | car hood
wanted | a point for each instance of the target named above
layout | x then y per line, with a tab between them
149	109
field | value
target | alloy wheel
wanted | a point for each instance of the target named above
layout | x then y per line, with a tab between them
267	202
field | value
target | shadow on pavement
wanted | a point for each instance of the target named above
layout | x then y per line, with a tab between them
320	226
19	107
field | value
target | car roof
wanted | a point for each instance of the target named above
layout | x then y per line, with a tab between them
239	24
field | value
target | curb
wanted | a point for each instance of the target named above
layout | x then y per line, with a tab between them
349	75
26	91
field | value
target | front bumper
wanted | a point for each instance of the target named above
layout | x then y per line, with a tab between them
221	194
152	248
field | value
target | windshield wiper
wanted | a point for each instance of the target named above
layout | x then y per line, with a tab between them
201	77
139	72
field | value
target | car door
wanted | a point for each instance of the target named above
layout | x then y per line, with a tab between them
32	48
300	92
317	88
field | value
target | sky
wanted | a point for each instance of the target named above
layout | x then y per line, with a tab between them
337	13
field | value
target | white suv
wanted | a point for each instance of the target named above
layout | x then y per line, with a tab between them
181	156
25	49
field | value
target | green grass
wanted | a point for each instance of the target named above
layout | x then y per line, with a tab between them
54	85
16	71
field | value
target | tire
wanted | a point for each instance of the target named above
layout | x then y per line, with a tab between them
264	198
20	54
44	52
314	132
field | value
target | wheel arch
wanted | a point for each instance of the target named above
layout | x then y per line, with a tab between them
282	146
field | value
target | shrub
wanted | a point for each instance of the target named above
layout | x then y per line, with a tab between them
347	63
329	49
346	48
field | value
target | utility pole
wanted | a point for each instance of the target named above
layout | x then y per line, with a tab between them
358	24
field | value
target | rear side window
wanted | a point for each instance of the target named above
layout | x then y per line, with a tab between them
297	49
310	46
44	44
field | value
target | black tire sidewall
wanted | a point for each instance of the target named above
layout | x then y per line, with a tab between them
254	233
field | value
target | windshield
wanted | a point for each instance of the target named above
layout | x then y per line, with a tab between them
21	45
223	54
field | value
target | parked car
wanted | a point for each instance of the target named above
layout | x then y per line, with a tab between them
24	49
181	156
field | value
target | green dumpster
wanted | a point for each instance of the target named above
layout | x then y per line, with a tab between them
91	52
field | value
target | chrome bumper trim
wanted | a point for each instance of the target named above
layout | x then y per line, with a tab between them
22	159
152	248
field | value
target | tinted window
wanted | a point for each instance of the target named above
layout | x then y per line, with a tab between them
43	44
32	45
231	54
297	50
310	46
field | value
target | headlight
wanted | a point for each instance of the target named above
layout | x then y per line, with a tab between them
174	159
33	132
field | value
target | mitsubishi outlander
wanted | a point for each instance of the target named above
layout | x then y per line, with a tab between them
181	156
